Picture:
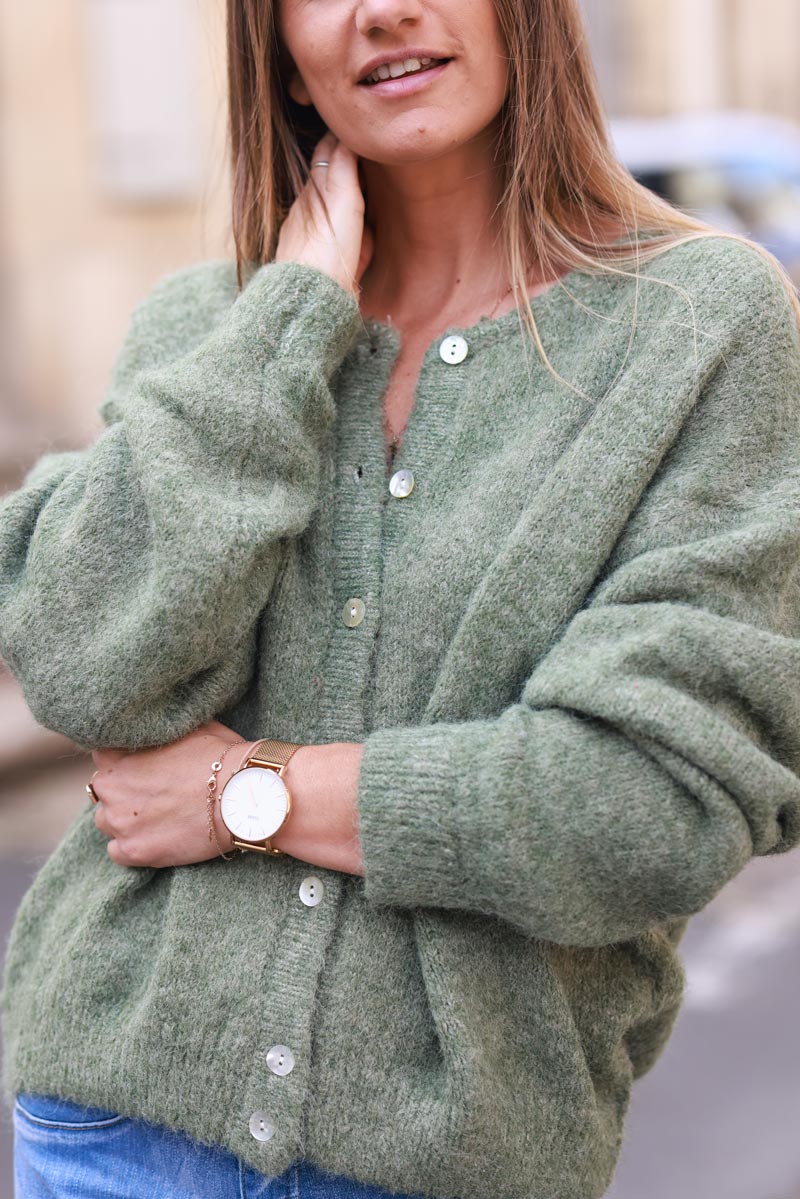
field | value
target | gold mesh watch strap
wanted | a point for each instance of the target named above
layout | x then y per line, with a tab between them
275	753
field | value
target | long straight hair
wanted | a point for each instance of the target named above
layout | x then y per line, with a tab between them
566	197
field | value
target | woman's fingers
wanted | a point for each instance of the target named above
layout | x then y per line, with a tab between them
325	226
154	801
323	152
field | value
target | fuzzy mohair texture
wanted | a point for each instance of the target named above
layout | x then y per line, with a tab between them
577	678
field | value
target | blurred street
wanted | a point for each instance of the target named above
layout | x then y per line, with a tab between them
717	1118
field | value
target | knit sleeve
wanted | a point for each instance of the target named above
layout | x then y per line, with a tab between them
655	747
132	573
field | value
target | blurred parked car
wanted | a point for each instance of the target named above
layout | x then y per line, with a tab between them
737	169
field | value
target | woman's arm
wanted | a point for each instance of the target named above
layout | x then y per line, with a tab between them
132	574
154	802
656	747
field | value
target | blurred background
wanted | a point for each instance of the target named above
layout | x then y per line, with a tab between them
113	173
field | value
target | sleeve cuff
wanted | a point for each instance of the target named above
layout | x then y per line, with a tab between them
303	314
407	816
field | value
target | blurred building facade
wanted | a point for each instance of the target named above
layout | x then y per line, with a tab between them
113	165
112	174
656	57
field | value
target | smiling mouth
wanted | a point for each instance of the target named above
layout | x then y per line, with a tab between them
383	74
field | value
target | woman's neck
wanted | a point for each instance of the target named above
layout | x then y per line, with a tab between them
436	234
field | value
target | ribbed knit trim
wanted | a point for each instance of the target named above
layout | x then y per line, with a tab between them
318	320
406	806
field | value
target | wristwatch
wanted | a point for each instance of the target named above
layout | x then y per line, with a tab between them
255	801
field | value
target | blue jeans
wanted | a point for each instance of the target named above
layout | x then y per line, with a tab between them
63	1150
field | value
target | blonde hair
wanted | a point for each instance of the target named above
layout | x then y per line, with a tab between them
567	202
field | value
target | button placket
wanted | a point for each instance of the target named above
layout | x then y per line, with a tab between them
438	392
280	1059
357	527
453	349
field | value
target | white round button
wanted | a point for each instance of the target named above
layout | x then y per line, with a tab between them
261	1126
401	483
453	349
353	612
311	890
280	1059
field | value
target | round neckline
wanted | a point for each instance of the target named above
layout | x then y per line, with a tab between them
486	325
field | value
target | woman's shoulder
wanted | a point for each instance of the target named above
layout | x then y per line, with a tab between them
180	309
716	288
726	280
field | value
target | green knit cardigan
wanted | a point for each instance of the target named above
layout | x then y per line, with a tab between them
577	677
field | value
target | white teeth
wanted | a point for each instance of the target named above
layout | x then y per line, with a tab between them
393	70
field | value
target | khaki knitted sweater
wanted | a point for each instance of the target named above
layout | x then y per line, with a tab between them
576	672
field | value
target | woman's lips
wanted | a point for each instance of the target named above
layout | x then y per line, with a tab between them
406	83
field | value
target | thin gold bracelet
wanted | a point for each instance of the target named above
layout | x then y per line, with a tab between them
216	766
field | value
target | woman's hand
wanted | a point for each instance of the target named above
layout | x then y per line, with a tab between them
154	802
343	251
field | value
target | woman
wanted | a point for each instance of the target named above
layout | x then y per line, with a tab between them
501	657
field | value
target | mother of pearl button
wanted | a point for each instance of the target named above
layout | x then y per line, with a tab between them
401	483
453	349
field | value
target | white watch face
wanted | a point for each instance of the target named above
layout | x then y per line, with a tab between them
254	803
